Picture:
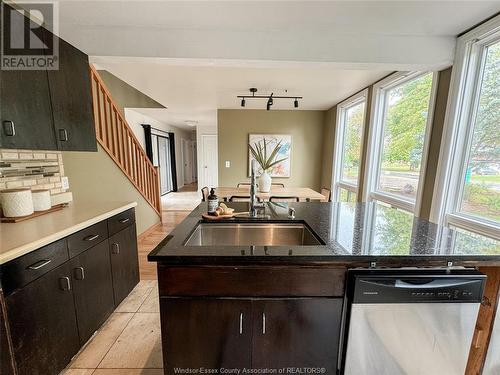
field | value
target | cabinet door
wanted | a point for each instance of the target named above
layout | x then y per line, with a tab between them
296	333
6	359
124	262
25	108
209	333
93	289
43	323
71	98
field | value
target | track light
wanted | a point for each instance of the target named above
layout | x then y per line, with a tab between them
270	98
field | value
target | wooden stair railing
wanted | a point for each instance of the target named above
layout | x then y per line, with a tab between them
117	139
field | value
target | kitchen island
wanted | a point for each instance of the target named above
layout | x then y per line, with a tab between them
232	298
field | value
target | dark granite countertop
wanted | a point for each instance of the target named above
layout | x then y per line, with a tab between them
354	234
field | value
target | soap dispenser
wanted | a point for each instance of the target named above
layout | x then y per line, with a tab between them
213	202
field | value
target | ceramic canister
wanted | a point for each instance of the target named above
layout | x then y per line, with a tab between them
16	202
41	200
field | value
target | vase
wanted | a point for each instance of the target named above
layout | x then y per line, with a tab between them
265	182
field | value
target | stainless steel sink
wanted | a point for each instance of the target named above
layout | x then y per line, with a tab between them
248	234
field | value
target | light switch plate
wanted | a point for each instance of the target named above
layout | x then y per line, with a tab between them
65	182
228	164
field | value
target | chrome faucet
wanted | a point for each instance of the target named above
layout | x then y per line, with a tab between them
253	197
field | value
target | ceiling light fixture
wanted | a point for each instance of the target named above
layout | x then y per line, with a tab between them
270	98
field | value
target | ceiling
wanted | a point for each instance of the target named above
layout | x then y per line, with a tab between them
196	56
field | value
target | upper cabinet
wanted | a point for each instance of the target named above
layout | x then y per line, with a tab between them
48	109
70	94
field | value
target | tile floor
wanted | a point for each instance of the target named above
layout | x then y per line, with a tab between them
129	343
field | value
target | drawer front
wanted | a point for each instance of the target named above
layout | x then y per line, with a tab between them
86	238
245	281
21	271
121	221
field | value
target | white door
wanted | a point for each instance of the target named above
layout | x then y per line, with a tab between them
186	156
209	160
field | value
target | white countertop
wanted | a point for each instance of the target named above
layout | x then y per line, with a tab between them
17	239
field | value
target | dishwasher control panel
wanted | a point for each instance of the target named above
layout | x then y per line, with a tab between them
437	287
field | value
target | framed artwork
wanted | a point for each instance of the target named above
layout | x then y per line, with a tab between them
281	169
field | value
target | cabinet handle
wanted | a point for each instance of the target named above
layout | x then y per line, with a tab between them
64	284
9	128
263	323
92	237
115	248
39	264
63	135
241	323
123	221
79	273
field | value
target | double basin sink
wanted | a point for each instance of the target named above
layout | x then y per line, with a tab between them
252	234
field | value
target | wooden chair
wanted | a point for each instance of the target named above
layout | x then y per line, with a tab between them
278	184
204	194
327	193
284	199
239	198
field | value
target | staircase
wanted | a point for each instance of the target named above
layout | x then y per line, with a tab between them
117	139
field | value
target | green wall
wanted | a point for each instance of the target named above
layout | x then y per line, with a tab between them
305	127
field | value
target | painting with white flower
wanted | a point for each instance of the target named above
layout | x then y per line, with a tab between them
270	141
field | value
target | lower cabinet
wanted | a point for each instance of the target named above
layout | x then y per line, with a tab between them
124	262
43	323
251	333
93	289
56	297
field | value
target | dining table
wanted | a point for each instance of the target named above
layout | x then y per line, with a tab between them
303	193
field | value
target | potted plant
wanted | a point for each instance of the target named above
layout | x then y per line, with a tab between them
259	151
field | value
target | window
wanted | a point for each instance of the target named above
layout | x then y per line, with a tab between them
401	120
348	145
467	192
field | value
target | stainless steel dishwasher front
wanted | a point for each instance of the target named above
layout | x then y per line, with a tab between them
412	322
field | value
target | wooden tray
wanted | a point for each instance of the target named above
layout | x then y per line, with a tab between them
55	208
221	217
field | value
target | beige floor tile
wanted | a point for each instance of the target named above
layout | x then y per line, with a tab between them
139	345
136	297
114	371
152	302
98	346
77	371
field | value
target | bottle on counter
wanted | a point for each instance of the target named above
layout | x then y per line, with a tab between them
213	202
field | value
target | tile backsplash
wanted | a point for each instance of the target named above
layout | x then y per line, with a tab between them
34	169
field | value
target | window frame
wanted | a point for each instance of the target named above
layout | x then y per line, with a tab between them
375	141
460	120
337	183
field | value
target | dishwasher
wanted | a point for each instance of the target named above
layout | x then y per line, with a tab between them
410	321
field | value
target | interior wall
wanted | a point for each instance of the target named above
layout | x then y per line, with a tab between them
135	121
94	177
305	127
126	96
328	146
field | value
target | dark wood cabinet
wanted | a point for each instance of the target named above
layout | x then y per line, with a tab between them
48	109
56	297
210	333
71	99
253	317
43	323
124	262
26	112
298	333
246	333
92	288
